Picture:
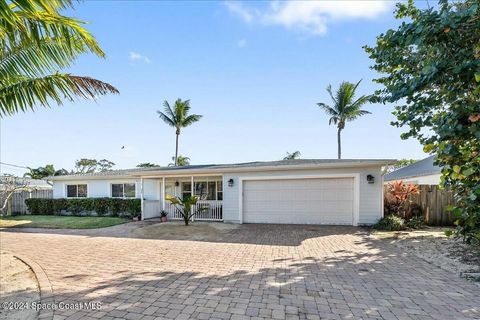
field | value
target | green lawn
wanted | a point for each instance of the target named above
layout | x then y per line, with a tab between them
59	222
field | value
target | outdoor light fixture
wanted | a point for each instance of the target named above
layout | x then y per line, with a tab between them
230	182
177	183
370	179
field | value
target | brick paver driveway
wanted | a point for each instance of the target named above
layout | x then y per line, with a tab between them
255	271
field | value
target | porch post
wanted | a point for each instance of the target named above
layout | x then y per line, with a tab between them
141	198
163	193
193	194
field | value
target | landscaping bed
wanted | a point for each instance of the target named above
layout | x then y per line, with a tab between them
432	245
59	222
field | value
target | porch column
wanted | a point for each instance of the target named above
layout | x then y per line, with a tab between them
193	194
141	198
163	193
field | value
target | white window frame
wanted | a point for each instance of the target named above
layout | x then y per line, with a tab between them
123	190
76	184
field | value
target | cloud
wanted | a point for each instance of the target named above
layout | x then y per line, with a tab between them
311	17
134	56
241	43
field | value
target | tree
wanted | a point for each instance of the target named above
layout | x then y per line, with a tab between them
345	108
181	161
187	207
10	184
43	172
178	118
92	165
399	164
147	165
36	42
430	67
292	156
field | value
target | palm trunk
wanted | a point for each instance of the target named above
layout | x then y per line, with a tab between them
339	141
176	150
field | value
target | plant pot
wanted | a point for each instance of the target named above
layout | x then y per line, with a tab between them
163	219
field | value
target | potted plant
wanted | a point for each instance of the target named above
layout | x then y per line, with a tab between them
163	216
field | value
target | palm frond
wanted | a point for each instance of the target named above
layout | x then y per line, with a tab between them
329	110
23	93
166	119
191	119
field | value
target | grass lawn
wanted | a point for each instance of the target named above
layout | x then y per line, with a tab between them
58	222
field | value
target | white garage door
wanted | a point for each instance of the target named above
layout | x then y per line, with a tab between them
298	201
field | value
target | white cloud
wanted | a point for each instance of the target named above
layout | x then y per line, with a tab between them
241	43
135	56
310	16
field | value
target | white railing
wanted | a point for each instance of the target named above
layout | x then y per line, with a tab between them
212	213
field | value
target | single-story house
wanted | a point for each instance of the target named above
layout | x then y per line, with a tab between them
336	192
420	172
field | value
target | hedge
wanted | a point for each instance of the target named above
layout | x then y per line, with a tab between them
83	207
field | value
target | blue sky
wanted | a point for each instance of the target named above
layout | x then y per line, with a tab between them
254	70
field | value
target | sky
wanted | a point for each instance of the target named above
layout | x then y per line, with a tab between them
254	70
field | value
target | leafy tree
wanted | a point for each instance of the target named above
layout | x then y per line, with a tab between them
92	165
187	207
399	164
147	165
430	68
181	161
36	42
345	108
9	185
178	118
43	172
293	155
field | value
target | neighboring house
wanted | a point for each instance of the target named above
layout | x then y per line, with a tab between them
420	172
343	192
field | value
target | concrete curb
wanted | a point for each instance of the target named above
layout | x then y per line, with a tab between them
45	287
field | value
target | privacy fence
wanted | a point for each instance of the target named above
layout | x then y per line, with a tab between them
16	204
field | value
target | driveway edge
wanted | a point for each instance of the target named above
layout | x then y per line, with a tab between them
44	285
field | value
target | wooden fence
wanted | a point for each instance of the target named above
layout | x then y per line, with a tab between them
434	202
16	204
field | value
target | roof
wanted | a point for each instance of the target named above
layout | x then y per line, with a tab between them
423	167
246	166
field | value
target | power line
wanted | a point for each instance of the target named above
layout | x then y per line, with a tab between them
13	165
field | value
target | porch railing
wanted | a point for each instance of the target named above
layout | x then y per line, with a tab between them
214	211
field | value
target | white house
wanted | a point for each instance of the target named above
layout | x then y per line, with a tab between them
420	172
337	192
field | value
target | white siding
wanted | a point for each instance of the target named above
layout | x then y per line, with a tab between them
370	195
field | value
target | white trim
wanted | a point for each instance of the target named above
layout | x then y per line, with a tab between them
65	193
141	198
356	188
124	183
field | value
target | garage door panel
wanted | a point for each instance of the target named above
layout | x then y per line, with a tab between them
300	201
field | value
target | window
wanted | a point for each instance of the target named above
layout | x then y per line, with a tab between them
219	190
76	191
201	190
186	189
123	190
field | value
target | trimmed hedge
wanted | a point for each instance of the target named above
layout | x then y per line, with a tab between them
111	207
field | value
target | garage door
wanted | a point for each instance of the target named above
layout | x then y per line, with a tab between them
298	201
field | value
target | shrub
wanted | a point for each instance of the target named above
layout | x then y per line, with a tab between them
87	206
415	223
390	223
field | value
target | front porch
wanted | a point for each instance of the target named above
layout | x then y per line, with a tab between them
155	190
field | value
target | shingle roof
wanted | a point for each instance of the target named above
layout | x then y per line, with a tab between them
420	168
255	164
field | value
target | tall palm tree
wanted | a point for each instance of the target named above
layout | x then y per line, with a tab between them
178	118
345	108
36	41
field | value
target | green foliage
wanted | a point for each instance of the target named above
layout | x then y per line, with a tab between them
187	207
292	156
431	68
415	223
43	172
147	165
36	42
390	223
92	165
399	164
85	206
345	107
181	161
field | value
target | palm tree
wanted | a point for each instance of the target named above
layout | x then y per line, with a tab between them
292	156
178	118
181	161
345	108
43	172
36	41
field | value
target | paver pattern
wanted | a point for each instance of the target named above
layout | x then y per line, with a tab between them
254	272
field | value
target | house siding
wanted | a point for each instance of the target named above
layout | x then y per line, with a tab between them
370	195
98	188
